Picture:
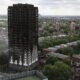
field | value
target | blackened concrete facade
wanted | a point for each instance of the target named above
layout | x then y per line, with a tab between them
23	34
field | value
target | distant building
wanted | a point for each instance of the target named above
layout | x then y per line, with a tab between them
23	34
76	67
57	27
72	28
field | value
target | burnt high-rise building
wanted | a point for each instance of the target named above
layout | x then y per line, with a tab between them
23	34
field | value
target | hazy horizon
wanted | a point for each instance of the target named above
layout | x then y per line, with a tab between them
50	15
47	7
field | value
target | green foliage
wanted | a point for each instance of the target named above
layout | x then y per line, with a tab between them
45	43
68	62
58	71
56	41
3	46
4	58
76	49
48	70
51	60
70	50
65	28
65	51
3	24
47	23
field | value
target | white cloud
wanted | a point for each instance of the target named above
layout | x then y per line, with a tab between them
47	7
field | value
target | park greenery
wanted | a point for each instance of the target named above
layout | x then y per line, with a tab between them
58	71
3	54
3	23
51	60
4	58
72	50
50	42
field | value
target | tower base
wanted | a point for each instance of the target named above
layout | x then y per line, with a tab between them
23	68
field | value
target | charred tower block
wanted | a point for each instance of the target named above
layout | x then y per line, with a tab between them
23	34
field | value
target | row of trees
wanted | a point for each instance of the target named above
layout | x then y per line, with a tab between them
70	50
57	41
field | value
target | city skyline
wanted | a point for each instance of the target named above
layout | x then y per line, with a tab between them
47	7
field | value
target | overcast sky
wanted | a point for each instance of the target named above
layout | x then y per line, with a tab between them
47	7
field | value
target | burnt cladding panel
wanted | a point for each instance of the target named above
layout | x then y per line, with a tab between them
10	25
35	26
23	24
22	27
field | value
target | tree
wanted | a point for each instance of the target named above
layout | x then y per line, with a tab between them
65	51
58	71
4	58
51	60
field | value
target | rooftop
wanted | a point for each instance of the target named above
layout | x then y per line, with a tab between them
25	75
30	78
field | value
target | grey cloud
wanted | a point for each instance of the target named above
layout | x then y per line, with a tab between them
4	2
60	3
51	4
